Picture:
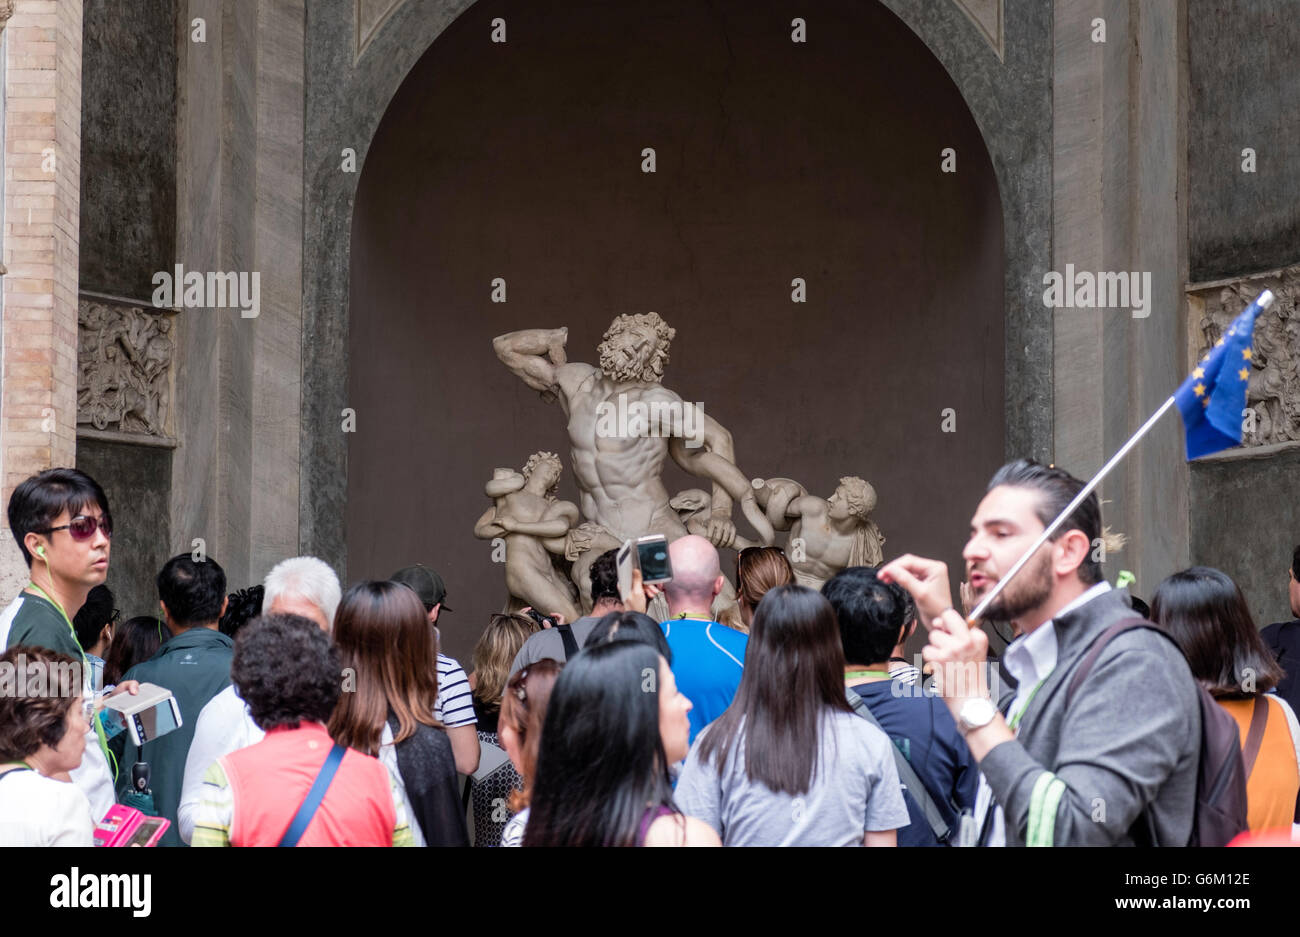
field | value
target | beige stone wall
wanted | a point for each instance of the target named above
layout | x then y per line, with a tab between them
42	146
239	207
1119	157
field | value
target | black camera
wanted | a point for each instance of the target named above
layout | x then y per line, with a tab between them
546	621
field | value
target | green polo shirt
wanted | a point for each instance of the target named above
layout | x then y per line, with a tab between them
195	666
37	623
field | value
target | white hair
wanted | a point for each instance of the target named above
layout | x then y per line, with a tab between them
306	578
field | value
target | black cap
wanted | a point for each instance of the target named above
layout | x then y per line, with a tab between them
425	583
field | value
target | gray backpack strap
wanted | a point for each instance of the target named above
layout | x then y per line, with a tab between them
906	773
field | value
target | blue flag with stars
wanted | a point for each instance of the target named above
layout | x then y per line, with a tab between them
1214	394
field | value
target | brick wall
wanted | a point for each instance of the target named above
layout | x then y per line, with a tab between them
42	146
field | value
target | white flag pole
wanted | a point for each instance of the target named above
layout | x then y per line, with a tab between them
978	611
1265	300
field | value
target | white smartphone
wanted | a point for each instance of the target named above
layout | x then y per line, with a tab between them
147	715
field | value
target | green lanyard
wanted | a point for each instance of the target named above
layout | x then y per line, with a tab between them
1014	721
856	674
94	719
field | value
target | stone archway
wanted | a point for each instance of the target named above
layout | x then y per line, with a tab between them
348	111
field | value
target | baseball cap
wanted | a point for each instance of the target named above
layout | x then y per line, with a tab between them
425	583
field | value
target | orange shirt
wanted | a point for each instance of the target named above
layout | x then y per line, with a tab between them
1274	783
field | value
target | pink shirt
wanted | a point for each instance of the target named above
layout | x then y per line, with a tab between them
270	780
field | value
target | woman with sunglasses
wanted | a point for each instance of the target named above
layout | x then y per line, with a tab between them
496	648
614	725
43	737
523	712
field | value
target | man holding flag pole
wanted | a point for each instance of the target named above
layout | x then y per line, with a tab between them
1112	759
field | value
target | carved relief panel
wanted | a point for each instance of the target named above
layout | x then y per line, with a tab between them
124	370
1273	397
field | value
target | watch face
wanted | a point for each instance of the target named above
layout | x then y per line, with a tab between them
977	713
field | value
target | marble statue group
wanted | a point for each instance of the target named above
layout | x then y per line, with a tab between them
617	464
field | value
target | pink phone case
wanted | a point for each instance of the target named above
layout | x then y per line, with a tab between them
120	824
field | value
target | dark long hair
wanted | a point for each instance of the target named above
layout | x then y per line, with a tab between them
386	642
1207	615
134	641
794	673
602	761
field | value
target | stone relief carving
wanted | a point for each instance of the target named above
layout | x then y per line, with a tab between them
1273	396
124	356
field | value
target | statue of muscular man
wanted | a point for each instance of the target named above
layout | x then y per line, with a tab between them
619	474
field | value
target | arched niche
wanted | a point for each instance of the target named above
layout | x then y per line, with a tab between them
833	175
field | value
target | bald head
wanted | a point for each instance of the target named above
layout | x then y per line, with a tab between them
697	575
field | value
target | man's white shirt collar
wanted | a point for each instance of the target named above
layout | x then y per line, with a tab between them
1032	657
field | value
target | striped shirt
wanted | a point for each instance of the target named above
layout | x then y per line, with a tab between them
455	706
276	774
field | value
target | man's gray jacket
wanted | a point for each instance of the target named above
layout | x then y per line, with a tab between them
1129	741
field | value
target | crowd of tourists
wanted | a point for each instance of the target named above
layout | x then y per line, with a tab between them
314	715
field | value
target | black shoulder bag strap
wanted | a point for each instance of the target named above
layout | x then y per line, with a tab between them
570	642
906	773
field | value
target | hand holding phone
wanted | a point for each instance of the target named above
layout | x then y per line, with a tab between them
625	562
148	714
653	560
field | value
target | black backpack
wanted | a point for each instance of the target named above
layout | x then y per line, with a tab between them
1221	775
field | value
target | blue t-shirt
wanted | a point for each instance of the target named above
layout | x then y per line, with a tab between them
924	731
708	659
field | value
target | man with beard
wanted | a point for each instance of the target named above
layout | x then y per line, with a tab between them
1111	761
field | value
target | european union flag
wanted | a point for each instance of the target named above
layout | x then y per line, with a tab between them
1214	394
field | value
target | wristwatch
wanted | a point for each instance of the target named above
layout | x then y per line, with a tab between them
975	714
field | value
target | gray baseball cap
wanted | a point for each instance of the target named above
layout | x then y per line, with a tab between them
425	583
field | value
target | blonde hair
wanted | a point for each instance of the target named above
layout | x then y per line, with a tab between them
495	652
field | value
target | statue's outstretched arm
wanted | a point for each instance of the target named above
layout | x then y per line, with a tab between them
715	460
533	355
557	527
780	498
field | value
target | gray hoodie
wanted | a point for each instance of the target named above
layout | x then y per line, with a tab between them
1129	741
